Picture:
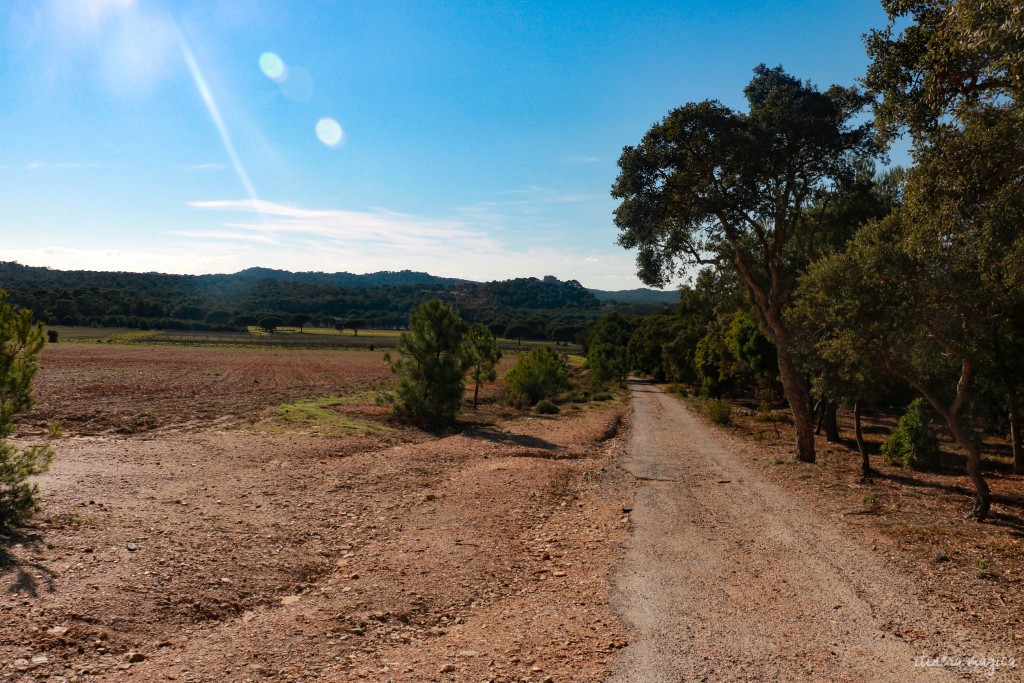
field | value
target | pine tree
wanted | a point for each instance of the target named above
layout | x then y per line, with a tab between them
21	340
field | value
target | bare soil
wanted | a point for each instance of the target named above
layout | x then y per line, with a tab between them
187	534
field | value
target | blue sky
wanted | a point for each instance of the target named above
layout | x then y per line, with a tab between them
477	139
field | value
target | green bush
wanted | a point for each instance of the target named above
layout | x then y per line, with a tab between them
719	412
913	444
430	365
546	407
21	340
539	374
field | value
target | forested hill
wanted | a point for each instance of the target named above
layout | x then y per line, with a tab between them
641	295
148	300
379	279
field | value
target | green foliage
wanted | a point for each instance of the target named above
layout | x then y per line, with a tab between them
300	320
546	407
383	300
270	323
482	354
944	59
913	444
718	411
647	344
749	345
21	340
430	366
539	374
607	354
355	324
710	360
981	567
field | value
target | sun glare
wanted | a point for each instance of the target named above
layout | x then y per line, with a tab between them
329	131
273	67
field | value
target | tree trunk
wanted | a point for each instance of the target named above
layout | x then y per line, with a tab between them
819	415
831	422
982	495
476	392
858	434
1016	441
796	396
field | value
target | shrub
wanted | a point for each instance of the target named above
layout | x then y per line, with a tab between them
539	374
547	407
719	412
52	336
913	443
21	340
430	366
270	323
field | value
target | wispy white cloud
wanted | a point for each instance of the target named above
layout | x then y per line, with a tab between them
202	167
260	232
226	235
579	159
45	165
365	230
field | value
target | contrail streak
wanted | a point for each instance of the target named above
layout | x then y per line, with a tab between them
225	136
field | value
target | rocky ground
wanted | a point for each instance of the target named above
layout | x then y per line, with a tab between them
232	514
204	549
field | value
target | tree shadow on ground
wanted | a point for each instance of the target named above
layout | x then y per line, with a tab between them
21	576
996	517
489	433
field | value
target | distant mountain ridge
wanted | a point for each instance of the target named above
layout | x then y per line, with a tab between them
347	280
384	299
640	295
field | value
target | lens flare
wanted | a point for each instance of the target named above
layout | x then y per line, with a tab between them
329	131
273	67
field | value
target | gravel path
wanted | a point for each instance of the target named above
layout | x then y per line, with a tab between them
729	577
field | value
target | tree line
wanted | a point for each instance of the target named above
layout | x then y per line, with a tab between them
834	280
522	308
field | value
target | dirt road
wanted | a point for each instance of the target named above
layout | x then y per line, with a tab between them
730	577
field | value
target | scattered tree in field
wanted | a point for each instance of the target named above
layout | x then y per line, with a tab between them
21	340
300	320
270	323
517	330
218	317
482	354
537	375
709	185
355	324
430	367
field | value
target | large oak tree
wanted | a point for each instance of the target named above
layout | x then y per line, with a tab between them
744	191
